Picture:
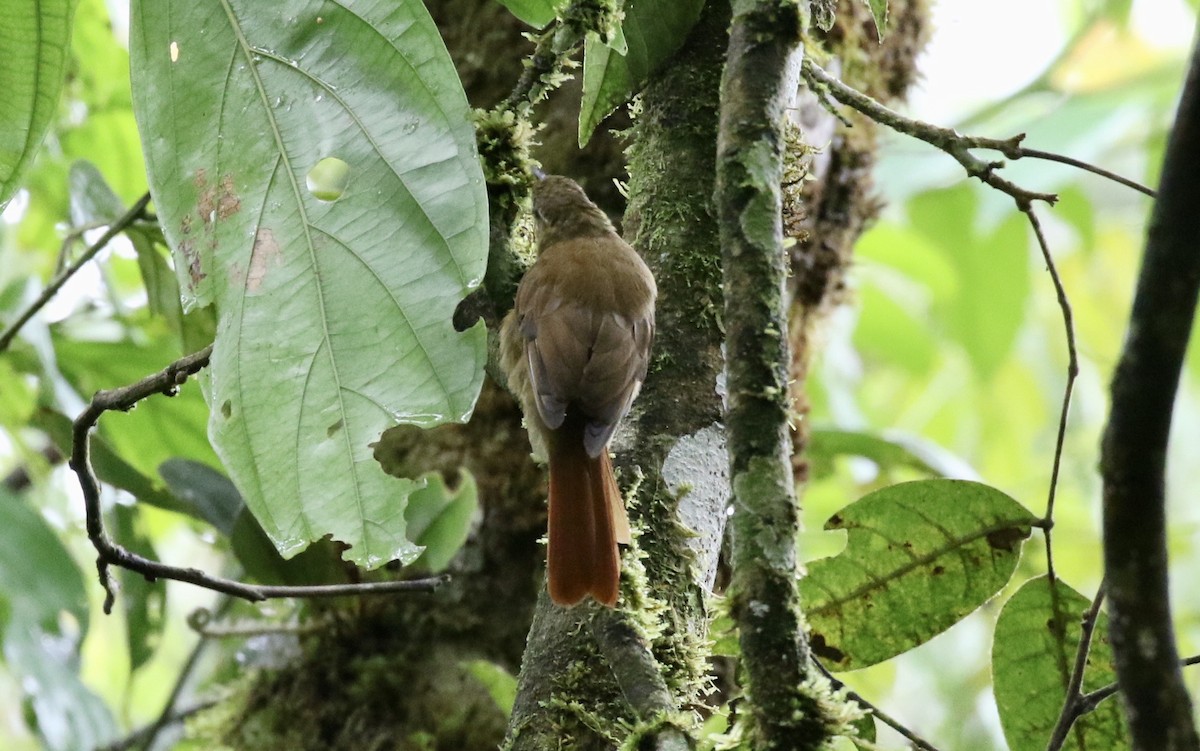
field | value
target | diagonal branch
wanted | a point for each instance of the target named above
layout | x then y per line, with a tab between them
137	211
956	144
1134	449
109	553
917	741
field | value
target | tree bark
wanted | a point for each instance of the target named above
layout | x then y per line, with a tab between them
1134	450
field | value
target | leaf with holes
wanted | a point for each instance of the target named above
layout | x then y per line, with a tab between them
1033	652
919	557
334	316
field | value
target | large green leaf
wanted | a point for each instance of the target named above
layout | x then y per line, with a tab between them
919	557
653	32
334	316
35	38
1033	652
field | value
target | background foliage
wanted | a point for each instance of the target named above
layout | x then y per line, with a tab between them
951	347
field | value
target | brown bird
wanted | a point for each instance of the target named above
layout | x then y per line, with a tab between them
575	347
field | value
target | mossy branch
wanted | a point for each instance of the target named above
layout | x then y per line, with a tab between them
758	84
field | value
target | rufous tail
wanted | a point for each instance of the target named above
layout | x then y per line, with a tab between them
587	518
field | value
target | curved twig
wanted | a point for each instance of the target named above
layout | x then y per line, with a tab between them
111	554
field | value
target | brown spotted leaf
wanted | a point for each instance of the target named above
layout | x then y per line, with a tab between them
919	557
334	286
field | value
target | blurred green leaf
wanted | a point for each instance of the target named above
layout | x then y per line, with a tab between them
99	64
879	12
46	611
439	519
39	576
208	494
34	37
916	256
1076	209
536	13
919	557
993	271
66	715
92	200
211	496
887	330
500	684
319	563
144	601
1033	651
162	287
19	397
890	450
334	317
723	633
110	468
1118	10
110	140
653	32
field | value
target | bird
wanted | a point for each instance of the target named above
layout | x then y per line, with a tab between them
576	348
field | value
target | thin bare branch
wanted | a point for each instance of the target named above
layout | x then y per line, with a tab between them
109	553
956	144
1072	373
1089	701
1050	156
120	225
917	741
1071	710
139	737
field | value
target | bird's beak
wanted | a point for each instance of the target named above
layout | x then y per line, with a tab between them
538	173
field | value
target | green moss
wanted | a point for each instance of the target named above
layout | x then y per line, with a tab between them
361	684
600	16
655	726
504	141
